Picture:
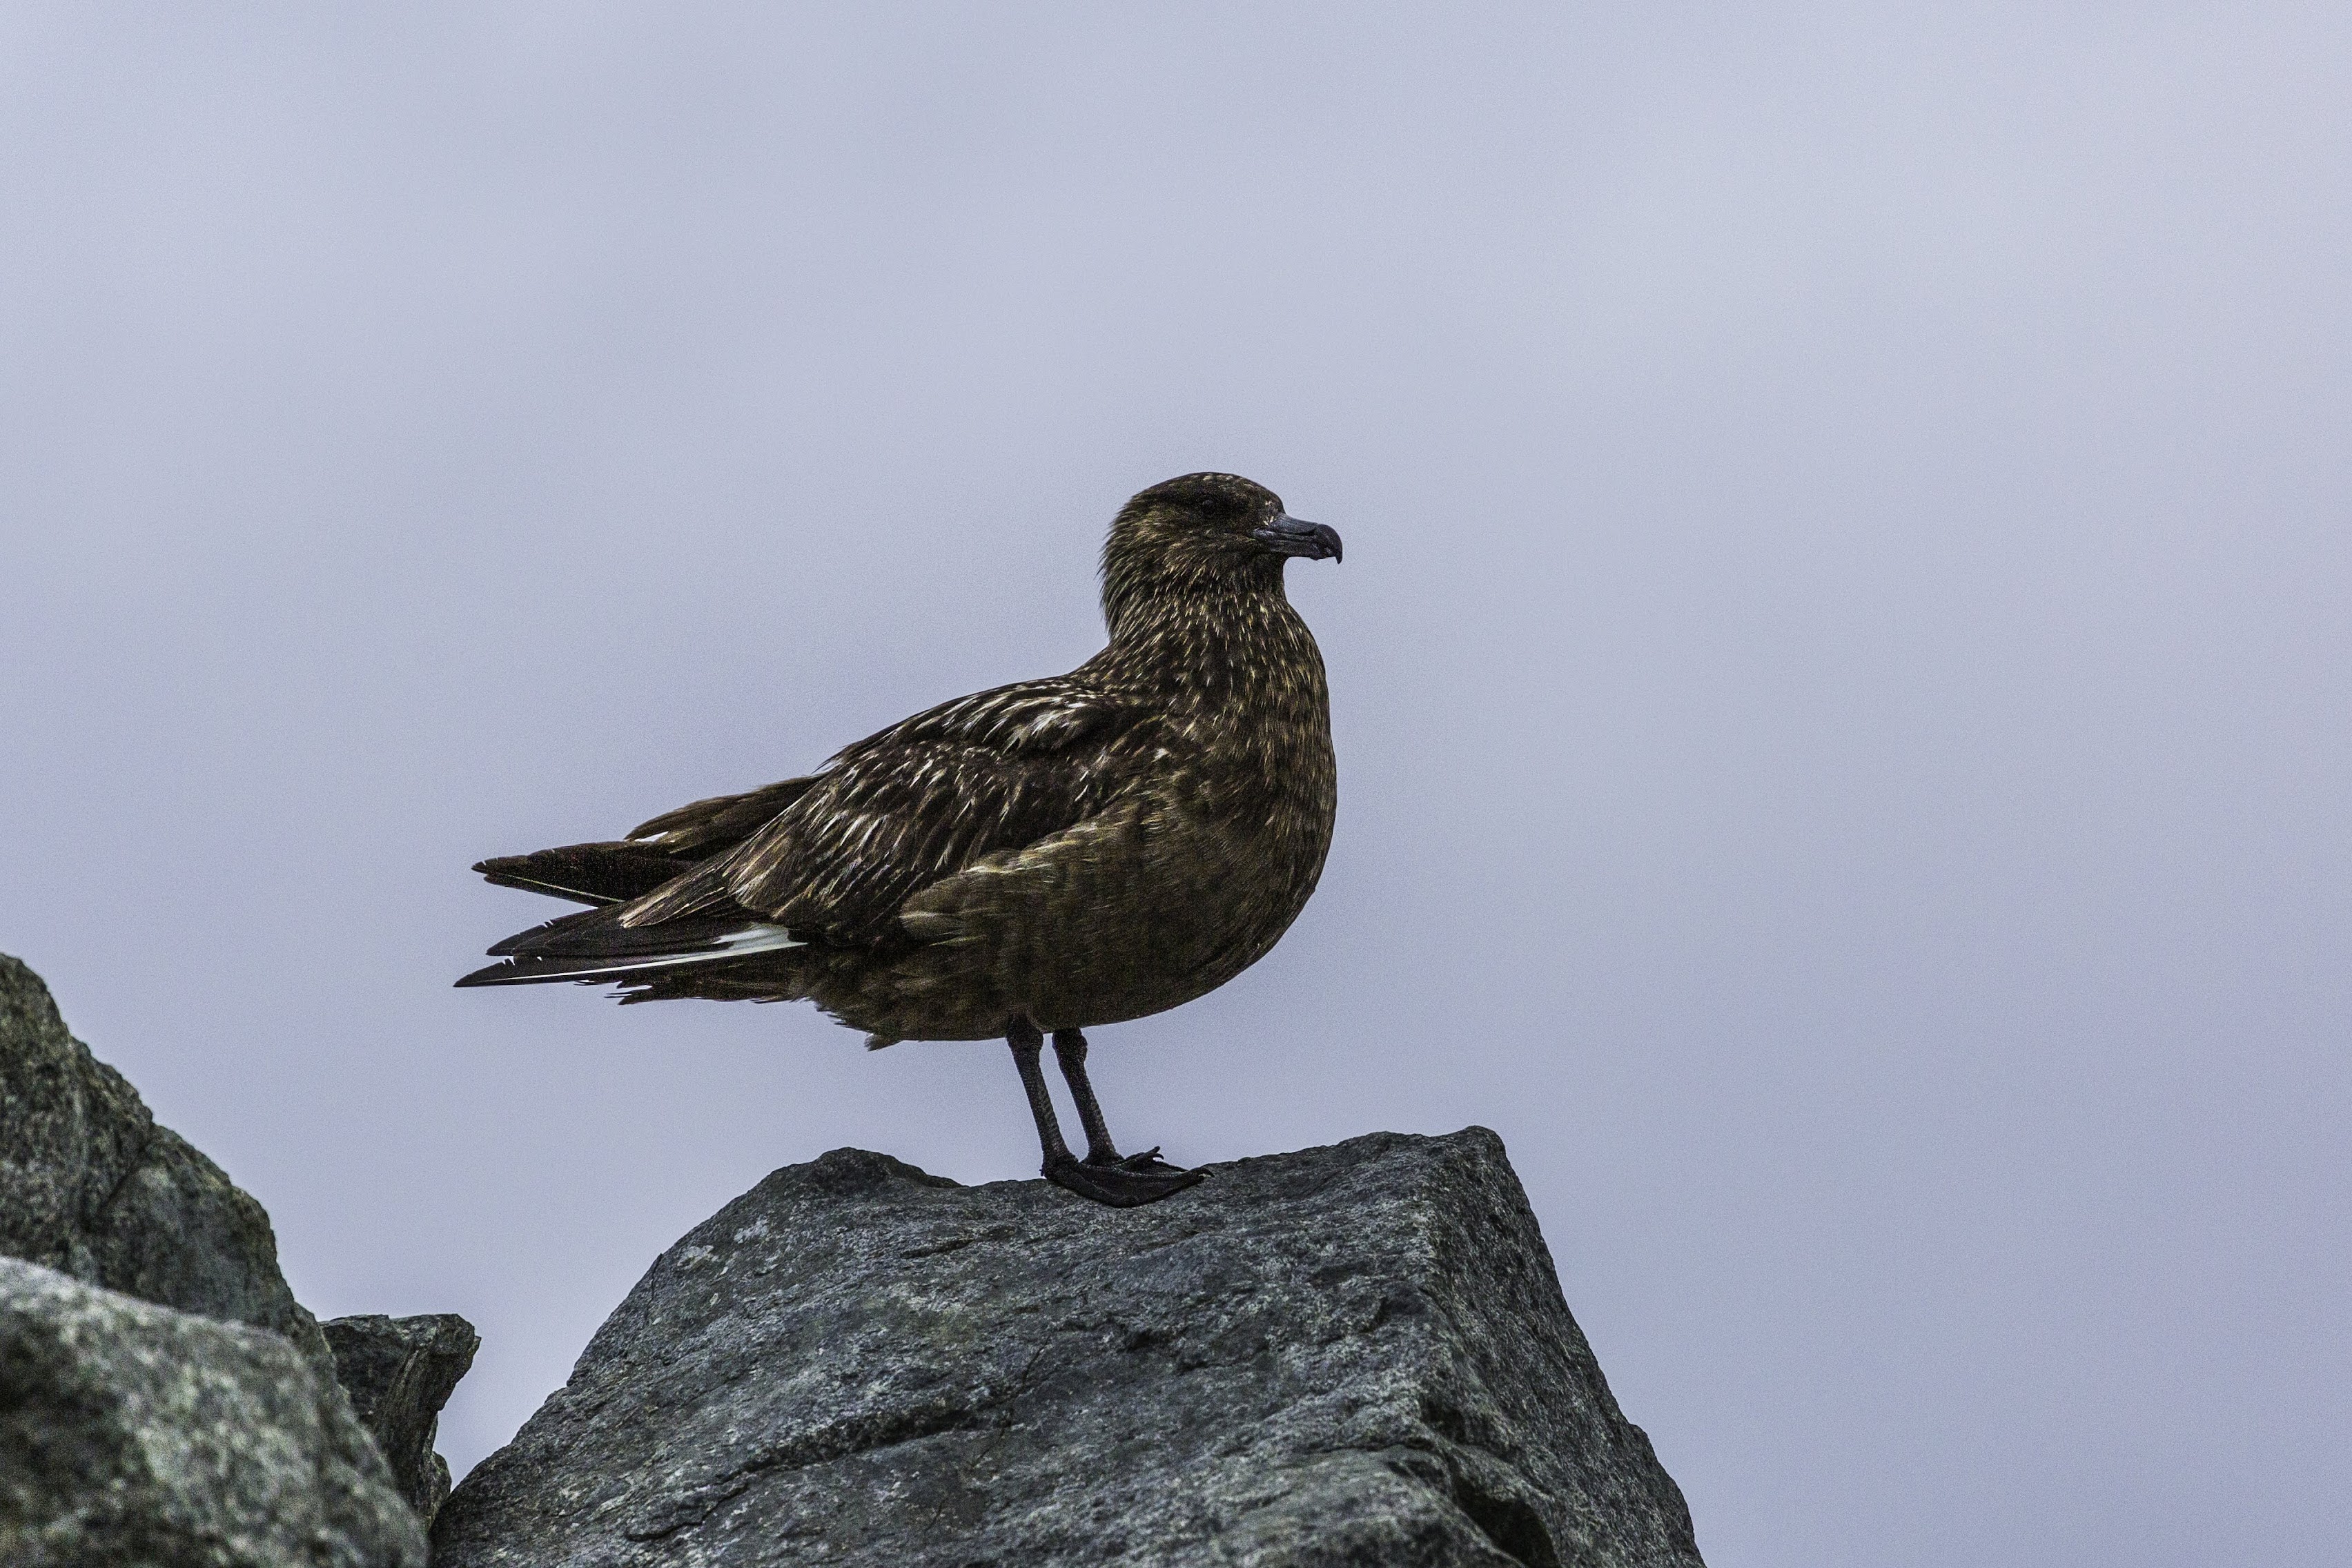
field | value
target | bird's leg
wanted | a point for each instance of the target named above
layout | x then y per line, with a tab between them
1102	1176
1027	1040
1070	1049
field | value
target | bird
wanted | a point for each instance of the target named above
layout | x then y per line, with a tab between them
1036	860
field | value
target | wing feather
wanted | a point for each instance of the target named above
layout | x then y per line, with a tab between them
900	809
720	823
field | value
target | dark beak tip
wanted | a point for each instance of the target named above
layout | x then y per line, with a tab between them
1296	536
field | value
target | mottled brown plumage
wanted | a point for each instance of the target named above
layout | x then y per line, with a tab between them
1049	856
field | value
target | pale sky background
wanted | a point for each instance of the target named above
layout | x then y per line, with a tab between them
1840	670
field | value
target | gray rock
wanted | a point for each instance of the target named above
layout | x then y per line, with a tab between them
399	1372
1353	1355
136	1437
91	1187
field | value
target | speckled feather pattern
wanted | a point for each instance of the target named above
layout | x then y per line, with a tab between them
1079	849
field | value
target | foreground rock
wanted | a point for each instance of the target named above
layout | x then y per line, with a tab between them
1351	1355
130	1434
187	1430
91	1187
399	1372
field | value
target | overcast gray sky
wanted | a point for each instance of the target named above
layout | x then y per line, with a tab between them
1840	673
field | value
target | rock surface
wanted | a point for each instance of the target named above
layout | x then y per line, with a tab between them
167	1434
399	1372
136	1437
91	1187
1355	1356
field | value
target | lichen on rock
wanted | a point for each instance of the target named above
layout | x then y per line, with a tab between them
131	1434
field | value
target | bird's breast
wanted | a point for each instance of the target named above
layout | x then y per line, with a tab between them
1214	820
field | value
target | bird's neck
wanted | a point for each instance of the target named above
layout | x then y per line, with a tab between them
1149	594
1216	644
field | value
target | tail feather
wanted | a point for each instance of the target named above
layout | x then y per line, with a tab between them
587	873
710	941
698	931
600	933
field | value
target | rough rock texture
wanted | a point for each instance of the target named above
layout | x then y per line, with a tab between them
91	1187
136	1437
216	1451
399	1372
1353	1356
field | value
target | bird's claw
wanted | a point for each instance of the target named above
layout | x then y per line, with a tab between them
1126	1183
1148	1162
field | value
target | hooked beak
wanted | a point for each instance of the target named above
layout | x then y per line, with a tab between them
1290	536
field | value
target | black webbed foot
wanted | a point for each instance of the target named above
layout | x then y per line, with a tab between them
1126	1183
1102	1177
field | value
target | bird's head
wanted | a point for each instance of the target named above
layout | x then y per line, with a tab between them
1206	530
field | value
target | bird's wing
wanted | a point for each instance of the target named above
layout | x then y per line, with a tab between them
655	852
709	826
900	809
